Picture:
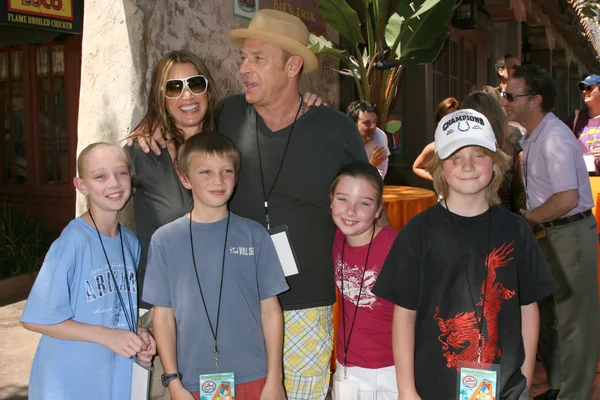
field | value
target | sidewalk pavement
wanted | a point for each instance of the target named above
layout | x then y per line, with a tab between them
17	347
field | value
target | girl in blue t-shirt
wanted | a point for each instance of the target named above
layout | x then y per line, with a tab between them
84	300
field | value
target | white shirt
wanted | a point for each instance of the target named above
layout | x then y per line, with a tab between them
379	139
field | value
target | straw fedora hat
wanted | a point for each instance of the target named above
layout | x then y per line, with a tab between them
281	29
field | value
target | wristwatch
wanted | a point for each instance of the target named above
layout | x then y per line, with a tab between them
166	378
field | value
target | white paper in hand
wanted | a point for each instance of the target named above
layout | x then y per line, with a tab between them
344	390
590	162
140	382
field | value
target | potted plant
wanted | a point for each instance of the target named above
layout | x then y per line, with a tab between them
399	34
23	245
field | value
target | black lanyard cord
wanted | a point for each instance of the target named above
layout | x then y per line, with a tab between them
262	177
129	316
462	252
362	281
215	329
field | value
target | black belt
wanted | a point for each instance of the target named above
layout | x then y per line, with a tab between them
568	219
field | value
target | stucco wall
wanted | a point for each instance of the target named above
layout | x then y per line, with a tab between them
123	39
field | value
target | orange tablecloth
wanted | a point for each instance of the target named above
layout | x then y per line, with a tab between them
596	193
404	202
401	204
595	183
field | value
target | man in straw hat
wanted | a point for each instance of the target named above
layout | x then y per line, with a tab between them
290	156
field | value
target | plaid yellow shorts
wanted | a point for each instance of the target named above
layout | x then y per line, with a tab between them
307	347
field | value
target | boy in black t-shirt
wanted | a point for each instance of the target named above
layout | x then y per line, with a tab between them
465	276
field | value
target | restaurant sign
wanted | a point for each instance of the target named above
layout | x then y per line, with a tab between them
306	10
53	15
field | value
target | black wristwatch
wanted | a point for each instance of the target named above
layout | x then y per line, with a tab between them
166	378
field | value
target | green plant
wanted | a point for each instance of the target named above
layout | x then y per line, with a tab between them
402	32
23	242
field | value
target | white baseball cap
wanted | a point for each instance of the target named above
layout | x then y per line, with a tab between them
463	128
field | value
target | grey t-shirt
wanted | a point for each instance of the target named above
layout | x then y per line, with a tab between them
159	198
252	273
323	141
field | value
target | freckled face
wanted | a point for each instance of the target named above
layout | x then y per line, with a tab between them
468	171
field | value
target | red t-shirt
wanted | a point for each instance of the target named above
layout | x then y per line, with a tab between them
371	341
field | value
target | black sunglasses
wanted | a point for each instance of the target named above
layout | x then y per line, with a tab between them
511	97
367	104
583	87
196	84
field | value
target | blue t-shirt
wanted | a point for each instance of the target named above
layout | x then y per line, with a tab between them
75	283
252	273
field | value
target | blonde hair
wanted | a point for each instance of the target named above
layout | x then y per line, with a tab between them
500	161
487	89
89	148
157	114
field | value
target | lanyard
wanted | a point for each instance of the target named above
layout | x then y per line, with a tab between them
215	330
262	177
362	281
525	168
129	316
479	319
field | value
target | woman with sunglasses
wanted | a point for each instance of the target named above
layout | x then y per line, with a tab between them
182	102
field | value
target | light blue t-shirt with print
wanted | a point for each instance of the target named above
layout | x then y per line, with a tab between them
75	283
252	274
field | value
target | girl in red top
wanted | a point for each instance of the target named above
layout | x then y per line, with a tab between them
364	336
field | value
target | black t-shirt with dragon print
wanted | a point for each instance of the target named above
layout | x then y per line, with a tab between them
426	271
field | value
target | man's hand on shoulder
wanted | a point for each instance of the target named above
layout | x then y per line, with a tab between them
148	142
312	99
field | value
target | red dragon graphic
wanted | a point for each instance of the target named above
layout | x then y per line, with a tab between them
463	327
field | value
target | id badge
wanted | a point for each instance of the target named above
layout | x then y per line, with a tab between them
343	389
478	381
285	251
140	381
590	162
219	386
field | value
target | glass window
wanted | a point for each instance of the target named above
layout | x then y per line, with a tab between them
52	119
12	118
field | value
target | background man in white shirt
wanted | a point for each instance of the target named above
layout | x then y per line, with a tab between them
364	113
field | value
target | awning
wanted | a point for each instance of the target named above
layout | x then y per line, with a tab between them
16	36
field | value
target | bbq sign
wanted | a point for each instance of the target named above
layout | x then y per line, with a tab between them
55	15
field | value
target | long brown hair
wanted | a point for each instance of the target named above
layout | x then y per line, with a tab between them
157	114
487	103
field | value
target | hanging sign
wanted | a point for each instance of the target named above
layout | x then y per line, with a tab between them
53	15
306	10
